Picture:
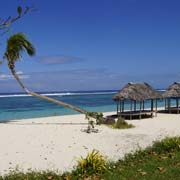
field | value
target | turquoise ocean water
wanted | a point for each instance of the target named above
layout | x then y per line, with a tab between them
20	106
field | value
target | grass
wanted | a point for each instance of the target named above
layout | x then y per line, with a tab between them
158	162
16	175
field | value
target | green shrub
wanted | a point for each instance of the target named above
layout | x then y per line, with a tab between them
121	124
99	119
98	116
166	145
93	163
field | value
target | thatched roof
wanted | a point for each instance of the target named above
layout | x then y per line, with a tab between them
172	91
137	92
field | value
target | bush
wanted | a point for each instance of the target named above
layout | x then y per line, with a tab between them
96	115
167	145
93	163
122	124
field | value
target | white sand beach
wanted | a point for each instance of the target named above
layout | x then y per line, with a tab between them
54	143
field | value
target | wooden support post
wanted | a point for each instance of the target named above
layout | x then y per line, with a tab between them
156	108
131	110
169	105
143	105
152	107
117	107
122	106
140	109
177	105
135	105
120	103
165	104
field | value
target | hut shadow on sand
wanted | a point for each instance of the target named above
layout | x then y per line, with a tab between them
115	116
136	95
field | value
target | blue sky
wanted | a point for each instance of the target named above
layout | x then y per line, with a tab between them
96	44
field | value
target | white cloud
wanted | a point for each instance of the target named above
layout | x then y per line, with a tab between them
19	72
4	77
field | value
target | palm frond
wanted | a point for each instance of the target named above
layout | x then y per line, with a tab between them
16	45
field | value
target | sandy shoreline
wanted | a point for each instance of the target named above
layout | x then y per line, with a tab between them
54	143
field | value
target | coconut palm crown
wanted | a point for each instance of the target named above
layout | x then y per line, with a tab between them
16	45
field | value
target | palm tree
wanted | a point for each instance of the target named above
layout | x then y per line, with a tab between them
17	44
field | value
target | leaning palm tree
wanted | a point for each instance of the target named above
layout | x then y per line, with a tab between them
17	44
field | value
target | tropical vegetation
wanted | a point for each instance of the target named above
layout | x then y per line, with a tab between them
121	124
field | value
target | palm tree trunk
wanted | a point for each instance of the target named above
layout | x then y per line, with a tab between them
45	97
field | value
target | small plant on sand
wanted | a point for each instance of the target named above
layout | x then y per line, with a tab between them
121	124
91	122
93	163
99	117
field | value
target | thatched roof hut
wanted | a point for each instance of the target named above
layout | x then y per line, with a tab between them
172	91
137	92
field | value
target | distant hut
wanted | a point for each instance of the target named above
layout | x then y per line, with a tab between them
136	94
172	94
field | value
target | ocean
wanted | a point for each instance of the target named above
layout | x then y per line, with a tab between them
21	106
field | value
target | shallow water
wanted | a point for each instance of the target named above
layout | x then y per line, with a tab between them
21	106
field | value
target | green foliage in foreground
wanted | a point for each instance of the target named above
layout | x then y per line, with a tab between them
159	162
93	163
16	175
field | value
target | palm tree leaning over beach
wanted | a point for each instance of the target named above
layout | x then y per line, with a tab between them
16	44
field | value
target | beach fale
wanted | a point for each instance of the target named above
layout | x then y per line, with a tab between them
172	93
136	93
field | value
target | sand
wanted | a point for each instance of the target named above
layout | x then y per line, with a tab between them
54	143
